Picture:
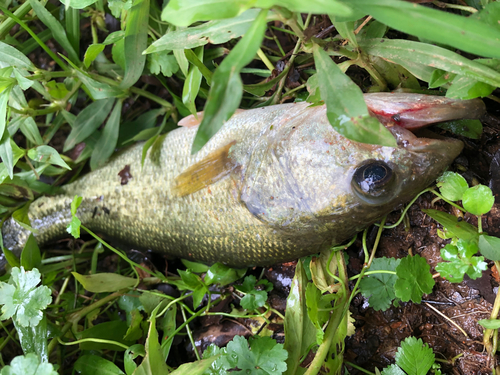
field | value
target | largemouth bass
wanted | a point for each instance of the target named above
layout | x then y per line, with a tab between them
274	184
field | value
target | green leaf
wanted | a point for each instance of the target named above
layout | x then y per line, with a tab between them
194	282
58	32
414	279
106	144
118	6
489	323
345	107
75	223
408	53
47	154
414	357
168	326
28	364
299	330
87	121
489	246
21	217
34	339
111	331
194	368
221	274
163	62
92	52
104	282
192	84
57	90
452	185
460	262
193	59
92	364
379	288
478	200
460	229
318	309
22	300
467	128
136	41
435	25
264	354
31	256
97	90
78	4
153	362
226	90
24	83
11	56
253	298
213	32
185	12
468	88
195	266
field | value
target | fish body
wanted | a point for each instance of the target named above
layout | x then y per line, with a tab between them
274	184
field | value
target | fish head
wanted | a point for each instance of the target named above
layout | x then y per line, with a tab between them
306	179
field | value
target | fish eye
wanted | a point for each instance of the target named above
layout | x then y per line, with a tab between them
373	181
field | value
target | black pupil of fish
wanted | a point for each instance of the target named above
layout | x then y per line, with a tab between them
373	176
374	173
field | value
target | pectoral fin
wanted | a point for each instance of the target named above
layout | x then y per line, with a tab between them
209	170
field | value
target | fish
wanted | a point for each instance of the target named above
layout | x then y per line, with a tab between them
272	185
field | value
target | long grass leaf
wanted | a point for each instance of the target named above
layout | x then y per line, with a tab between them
345	107
58	31
136	40
468	34
427	54
106	144
88	121
226	90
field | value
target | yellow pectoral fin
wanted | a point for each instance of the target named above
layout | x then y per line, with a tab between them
209	170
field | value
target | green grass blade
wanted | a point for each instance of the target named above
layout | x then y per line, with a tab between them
192	84
345	107
185	12
73	28
468	34
58	31
13	57
214	32
88	121
426	54
136	40
106	144
193	59
226	90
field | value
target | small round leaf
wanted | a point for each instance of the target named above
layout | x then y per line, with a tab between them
452	186
478	200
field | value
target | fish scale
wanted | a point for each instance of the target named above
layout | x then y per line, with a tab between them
286	191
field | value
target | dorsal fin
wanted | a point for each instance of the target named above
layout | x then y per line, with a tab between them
207	171
192	120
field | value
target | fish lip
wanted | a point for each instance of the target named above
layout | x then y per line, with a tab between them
413	111
426	141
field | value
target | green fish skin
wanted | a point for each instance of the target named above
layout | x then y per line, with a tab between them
279	184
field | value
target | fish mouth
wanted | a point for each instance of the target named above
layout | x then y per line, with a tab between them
413	111
426	141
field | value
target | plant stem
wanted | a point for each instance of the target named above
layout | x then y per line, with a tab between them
333	323
9	23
